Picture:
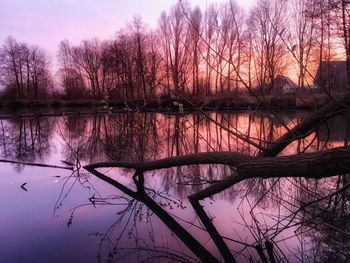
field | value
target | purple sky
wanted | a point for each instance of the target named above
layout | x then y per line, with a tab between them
46	22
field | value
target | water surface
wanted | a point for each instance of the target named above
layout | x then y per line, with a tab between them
56	215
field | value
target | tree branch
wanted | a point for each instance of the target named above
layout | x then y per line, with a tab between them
226	158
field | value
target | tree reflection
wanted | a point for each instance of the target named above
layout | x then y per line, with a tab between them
150	136
26	139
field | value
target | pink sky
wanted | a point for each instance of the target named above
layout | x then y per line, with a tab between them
47	22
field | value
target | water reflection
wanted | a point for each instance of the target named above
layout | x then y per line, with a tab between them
149	136
152	136
26	139
246	215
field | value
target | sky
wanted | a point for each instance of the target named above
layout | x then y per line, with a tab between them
47	22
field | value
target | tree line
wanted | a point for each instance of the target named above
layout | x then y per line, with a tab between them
223	50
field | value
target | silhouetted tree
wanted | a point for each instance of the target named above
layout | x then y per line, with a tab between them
25	69
267	22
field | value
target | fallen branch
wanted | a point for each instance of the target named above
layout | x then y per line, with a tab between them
316	165
226	158
37	164
309	165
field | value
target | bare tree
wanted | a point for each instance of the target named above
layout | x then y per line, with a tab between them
25	68
195	32
301	34
139	40
174	28
87	58
267	21
71	78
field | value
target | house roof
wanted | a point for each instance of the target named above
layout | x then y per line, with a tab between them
280	83
281	80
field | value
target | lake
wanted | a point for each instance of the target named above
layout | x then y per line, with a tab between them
52	214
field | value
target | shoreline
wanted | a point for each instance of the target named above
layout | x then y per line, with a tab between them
290	102
40	112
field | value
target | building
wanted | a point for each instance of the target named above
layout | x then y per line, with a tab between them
285	85
332	75
282	85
